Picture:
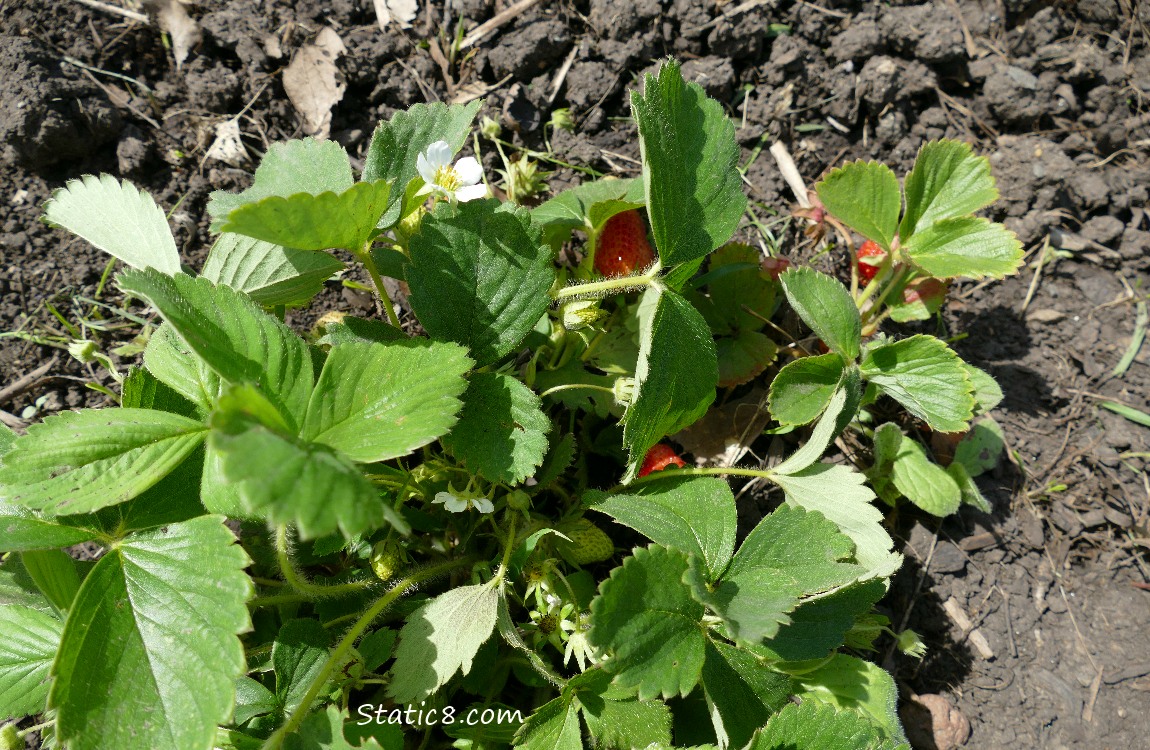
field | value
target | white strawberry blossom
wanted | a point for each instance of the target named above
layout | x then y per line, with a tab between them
456	504
462	181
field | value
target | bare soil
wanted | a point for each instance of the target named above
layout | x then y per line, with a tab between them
1055	93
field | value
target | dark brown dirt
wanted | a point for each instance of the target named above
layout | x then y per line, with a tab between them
1055	93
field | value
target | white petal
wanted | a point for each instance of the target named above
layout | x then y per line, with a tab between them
439	154
426	171
469	170
471	192
455	505
443	497
484	505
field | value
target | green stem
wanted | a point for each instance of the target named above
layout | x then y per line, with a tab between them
368	262
574	386
306	588
608	286
899	275
498	579
337	656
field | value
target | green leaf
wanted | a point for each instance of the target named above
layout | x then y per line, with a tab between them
270	274
587	207
313	222
54	573
865	197
143	390
352	330
252	699
376	647
480	276
236	339
743	691
553	726
690	166
923	482
646	618
298	655
947	181
851	684
839	412
300	166
971	495
924	375
693	515
305	484
987	392
676	373
396	145
502	431
820	625
440	639
623	725
325	730
791	553
802	389
826	307
841	495
814	726
116	218
966	246
374	402
979	449
18	589
27	650
172	362
155	627
746	298
81	461
21	530
743	357
887	440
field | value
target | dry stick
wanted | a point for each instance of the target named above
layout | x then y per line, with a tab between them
561	76
1037	274
487	27
26	381
114	10
790	172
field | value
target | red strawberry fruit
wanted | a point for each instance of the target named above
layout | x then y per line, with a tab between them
775	266
623	248
660	457
868	269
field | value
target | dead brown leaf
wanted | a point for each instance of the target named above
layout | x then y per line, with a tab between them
402	12
173	18
314	84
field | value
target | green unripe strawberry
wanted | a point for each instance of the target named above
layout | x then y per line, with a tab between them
589	543
9	739
387	559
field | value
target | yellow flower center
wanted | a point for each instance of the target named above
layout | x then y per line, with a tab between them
447	178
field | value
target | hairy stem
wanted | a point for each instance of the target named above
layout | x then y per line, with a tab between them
608	286
308	590
364	257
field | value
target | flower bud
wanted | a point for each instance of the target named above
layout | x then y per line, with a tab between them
561	119
491	129
624	389
580	314
83	350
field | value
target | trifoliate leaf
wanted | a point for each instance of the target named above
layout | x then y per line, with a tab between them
232	335
694	190
502	431
851	684
305	221
155	626
826	307
623	725
693	515
743	691
480	276
116	218
802	389
78	462
396	145
967	247
925	375
646	618
553	726
270	274
676	373
374	402
298	655
923	482
947	181
791	553
27	650
440	639
289	168
865	197
819	626
841	495
814	726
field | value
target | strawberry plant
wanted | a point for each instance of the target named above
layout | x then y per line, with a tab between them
470	530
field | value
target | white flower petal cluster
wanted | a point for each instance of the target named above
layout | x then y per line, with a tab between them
456	504
462	181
